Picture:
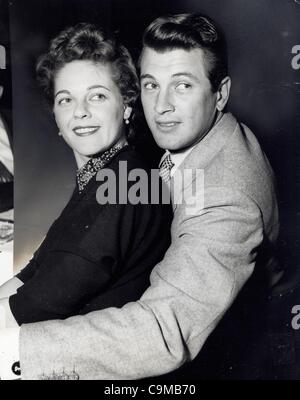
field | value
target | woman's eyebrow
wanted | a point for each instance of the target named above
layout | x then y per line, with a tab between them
98	87
89	88
61	92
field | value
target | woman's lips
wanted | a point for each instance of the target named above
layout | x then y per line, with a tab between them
85	130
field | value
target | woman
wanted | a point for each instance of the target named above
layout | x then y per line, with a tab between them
94	256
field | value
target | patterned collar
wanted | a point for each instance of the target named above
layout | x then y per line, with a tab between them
90	169
176	158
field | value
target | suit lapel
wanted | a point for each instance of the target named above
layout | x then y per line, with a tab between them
201	155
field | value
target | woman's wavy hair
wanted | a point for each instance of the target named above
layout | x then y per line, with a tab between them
85	41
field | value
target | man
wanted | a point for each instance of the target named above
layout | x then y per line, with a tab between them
215	248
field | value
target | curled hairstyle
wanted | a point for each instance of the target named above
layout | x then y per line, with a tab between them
187	32
87	42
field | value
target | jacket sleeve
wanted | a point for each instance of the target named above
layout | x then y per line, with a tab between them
27	272
212	254
70	275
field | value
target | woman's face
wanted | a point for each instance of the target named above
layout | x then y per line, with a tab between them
88	107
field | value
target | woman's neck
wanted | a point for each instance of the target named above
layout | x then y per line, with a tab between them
81	159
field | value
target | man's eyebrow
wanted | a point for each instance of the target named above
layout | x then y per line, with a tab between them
177	75
186	74
147	76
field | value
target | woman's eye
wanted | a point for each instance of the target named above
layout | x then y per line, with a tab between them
97	97
64	101
149	85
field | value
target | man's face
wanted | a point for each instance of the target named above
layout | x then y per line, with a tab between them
177	98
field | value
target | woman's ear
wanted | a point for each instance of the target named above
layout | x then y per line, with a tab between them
223	93
127	112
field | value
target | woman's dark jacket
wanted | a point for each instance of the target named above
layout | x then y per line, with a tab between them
94	256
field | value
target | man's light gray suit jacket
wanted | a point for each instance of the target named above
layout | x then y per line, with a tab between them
213	253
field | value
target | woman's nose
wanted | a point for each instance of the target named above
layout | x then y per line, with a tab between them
82	110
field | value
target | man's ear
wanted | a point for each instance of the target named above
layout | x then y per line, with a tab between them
127	112
223	93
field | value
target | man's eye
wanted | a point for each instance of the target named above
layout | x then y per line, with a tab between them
64	101
97	97
183	86
149	85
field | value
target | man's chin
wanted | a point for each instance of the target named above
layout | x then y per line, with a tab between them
168	145
172	148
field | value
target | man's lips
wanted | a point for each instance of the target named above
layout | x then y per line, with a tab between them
167	125
85	130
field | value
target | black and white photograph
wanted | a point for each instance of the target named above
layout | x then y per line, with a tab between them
149	191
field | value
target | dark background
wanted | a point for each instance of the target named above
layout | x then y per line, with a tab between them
265	95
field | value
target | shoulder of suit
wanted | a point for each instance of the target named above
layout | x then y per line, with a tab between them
231	156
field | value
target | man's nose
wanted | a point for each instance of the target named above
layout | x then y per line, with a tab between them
82	110
164	102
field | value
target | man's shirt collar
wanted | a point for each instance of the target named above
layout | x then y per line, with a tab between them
177	158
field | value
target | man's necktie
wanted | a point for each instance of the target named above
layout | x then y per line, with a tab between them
165	169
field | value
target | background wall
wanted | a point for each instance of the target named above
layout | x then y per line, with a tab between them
265	95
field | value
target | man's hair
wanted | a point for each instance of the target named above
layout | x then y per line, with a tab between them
87	42
187	32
